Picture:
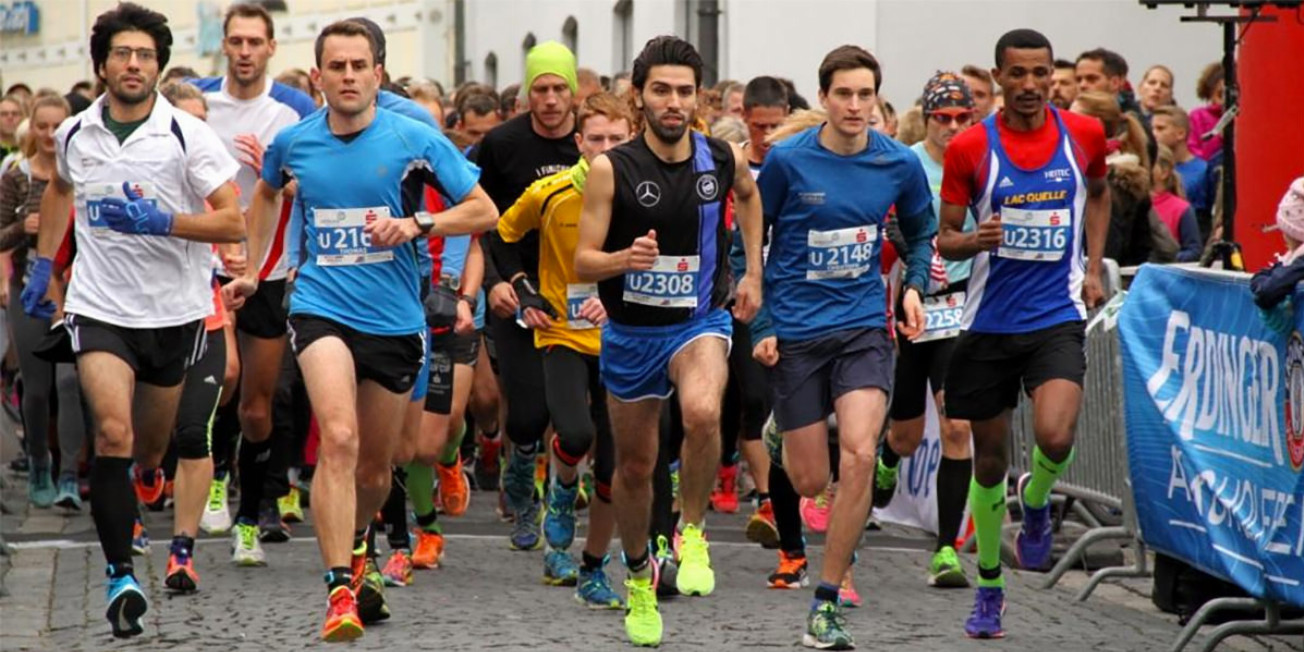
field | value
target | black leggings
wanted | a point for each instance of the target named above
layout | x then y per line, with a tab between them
578	402
198	407
746	397
664	518
520	375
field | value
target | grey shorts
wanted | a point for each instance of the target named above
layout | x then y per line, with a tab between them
812	374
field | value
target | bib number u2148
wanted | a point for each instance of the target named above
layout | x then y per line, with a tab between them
1034	235
840	253
671	283
341	240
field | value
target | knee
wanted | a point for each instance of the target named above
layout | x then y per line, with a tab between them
955	435
113	438
526	426
858	462
1056	445
808	483
338	442
374	476
192	443
990	468
572	443
636	469
404	453
701	418
904	437
255	416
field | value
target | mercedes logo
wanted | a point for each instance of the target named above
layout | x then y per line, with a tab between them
648	194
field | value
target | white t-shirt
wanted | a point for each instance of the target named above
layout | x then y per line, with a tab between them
140	281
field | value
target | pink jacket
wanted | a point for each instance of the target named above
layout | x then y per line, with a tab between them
1202	120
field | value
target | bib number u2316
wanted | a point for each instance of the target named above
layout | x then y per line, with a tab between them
840	253
671	283
1034	235
341	240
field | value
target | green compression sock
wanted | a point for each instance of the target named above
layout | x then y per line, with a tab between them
421	488
453	446
987	505
1044	474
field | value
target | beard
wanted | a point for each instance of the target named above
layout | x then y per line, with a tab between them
132	98
667	135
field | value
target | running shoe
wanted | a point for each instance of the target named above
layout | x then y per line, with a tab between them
695	574
525	530
667	568
559	519
945	571
791	573
40	485
454	491
540	474
488	462
369	586
149	485
127	605
588	490
290	507
885	483
245	548
181	575
518	482
429	551
724	498
271	529
342	620
1033	544
69	496
761	527
815	511
848	597
826	628
217	514
398	569
985	620
559	568
594	589
139	538
642	618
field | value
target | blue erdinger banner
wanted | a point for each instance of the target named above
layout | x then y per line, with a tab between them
1215	428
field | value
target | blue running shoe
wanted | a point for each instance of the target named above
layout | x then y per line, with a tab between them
988	607
69	493
559	519
1033	544
139	538
41	491
525	530
518	482
595	590
559	568
126	605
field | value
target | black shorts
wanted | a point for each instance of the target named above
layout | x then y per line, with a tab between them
919	367
264	314
988	369
812	374
446	350
159	356
391	361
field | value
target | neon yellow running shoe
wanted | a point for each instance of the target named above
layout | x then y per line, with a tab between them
642	618
695	574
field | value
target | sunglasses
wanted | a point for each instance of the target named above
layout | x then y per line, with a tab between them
945	119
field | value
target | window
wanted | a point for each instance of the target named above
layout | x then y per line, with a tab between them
491	70
700	25
623	48
526	46
570	35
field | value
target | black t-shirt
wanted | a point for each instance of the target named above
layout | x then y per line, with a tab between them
511	157
685	203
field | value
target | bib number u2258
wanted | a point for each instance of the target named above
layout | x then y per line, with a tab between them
1034	235
840	253
96	193
671	283
341	240
942	317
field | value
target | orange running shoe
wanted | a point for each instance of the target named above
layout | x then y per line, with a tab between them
791	573
342	620
724	498
429	550
761	527
454	493
149	486
181	575
398	569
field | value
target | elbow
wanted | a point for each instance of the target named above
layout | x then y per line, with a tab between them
583	271
487	216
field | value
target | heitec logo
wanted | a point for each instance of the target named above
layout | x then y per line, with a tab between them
1295	401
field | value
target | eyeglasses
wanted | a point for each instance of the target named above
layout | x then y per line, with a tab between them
143	55
945	119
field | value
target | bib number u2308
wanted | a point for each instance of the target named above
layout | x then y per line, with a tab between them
1034	235
576	295
341	240
96	193
671	283
840	253
942	317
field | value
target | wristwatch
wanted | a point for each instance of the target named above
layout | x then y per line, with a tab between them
425	221
469	299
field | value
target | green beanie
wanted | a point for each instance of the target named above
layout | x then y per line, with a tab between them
549	58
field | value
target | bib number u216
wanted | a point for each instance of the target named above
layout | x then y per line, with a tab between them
1034	235
840	253
341	240
671	283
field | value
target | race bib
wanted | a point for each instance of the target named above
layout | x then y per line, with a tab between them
576	295
1034	235
96	193
942	317
671	283
341	240
841	253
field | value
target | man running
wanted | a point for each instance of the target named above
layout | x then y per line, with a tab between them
827	192
565	315
138	172
356	317
1035	177
652	236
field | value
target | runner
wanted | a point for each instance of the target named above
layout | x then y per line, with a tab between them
565	315
668	329
1035	176
247	109
139	172
948	109
356	316
827	192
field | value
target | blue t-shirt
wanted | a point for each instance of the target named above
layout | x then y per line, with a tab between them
826	216
343	184
1195	182
956	270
